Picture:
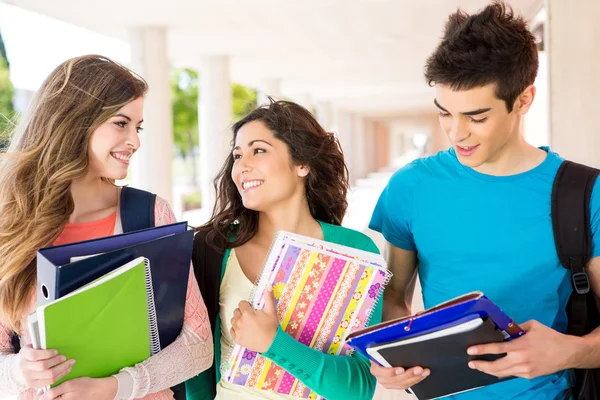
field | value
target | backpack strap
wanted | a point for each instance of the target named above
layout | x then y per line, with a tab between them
137	209
207	260
571	194
137	212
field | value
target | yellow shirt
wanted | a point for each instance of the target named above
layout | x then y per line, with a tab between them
236	287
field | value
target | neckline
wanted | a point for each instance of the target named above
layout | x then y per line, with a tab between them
548	160
102	221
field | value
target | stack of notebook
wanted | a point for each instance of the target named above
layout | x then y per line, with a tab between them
105	325
112	302
323	291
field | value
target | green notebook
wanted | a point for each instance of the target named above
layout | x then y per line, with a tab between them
106	325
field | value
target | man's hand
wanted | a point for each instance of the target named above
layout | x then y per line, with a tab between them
542	351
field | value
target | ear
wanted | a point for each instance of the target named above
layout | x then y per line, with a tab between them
302	171
525	99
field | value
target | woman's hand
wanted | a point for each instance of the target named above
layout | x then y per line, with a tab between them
41	368
255	329
84	388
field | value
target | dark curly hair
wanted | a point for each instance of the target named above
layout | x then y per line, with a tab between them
308	144
493	46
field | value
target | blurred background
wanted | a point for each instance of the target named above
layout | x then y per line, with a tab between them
356	64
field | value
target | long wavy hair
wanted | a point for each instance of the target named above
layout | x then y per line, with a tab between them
48	151
308	144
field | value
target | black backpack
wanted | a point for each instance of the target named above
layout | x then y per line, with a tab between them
571	194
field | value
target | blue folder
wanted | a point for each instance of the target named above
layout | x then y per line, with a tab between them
168	248
445	315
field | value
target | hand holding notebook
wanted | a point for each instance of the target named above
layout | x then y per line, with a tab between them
322	291
438	339
255	329
105	325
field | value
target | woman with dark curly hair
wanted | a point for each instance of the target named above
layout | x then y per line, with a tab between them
285	173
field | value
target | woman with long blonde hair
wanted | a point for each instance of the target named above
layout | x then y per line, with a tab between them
57	186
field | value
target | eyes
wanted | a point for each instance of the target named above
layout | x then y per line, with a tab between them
471	119
255	151
123	124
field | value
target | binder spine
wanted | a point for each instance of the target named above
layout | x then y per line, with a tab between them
152	321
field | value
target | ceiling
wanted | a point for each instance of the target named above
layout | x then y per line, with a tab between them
364	56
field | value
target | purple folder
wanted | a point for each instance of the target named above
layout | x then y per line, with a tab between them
453	312
168	248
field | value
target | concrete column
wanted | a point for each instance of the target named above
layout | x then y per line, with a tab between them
359	148
342	128
305	100
269	87
325	115
396	141
152	164
573	43
381	145
215	114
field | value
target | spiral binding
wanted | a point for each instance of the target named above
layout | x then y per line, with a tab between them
152	321
226	358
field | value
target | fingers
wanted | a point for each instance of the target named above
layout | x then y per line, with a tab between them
398	378
490	348
32	354
48	377
45	364
269	301
244	306
57	392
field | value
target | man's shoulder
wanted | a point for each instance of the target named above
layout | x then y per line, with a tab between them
422	169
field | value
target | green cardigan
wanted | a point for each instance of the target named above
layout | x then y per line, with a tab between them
333	377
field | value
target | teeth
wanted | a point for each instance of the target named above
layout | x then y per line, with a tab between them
250	184
120	156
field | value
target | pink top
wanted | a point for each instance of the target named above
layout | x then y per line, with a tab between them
190	354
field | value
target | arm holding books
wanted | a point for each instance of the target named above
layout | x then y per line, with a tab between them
543	350
331	376
398	297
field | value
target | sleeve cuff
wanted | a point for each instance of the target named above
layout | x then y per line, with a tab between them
124	385
283	345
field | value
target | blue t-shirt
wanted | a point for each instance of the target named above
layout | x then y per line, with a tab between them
490	233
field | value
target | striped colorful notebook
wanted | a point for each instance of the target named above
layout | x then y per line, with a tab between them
323	292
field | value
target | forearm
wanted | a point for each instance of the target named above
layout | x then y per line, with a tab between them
11	381
178	362
190	354
585	352
330	376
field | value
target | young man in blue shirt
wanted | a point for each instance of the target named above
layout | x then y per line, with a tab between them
477	216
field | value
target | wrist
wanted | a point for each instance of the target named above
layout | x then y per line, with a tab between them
576	351
270	337
110	386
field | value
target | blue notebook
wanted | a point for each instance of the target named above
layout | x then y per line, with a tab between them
63	269
444	316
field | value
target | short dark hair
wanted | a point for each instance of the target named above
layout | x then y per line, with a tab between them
309	144
492	46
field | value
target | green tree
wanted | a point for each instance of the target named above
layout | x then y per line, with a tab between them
184	91
244	100
7	110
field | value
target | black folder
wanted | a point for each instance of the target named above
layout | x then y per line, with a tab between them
445	354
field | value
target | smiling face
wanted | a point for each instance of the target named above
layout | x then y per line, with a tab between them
113	143
478	124
263	170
